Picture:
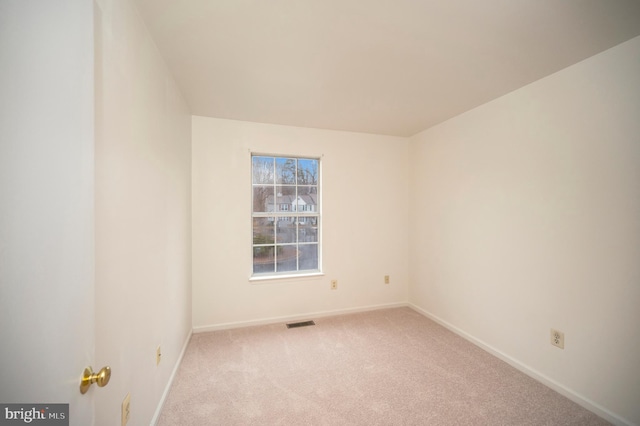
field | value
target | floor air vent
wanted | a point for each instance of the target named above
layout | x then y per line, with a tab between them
300	324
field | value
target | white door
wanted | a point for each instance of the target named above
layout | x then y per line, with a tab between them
46	203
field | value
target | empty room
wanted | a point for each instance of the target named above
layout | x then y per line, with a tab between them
328	213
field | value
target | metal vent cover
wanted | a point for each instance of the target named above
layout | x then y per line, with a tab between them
300	324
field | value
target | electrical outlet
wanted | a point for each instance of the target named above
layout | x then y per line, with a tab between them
557	338
334	284
158	355
386	279
126	409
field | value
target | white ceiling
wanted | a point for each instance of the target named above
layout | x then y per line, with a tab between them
391	67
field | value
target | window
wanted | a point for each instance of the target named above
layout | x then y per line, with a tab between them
285	215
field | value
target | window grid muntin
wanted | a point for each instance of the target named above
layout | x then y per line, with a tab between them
276	214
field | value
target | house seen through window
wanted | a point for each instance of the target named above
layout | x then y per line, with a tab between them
285	215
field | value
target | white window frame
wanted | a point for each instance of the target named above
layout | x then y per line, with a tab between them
304	215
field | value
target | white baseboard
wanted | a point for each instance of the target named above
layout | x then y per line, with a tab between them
561	389
156	415
309	316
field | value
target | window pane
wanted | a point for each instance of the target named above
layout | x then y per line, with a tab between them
286	171
307	172
263	199
286	231
308	229
263	231
286	214
308	256
263	259
263	170
307	201
287	258
286	198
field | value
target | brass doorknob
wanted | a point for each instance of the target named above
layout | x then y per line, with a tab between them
101	378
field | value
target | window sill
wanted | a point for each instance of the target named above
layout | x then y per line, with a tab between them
263	278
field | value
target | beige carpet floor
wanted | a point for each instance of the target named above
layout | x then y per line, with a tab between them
385	367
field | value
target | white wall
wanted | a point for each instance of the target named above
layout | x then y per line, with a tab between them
46	202
525	215
364	194
143	216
